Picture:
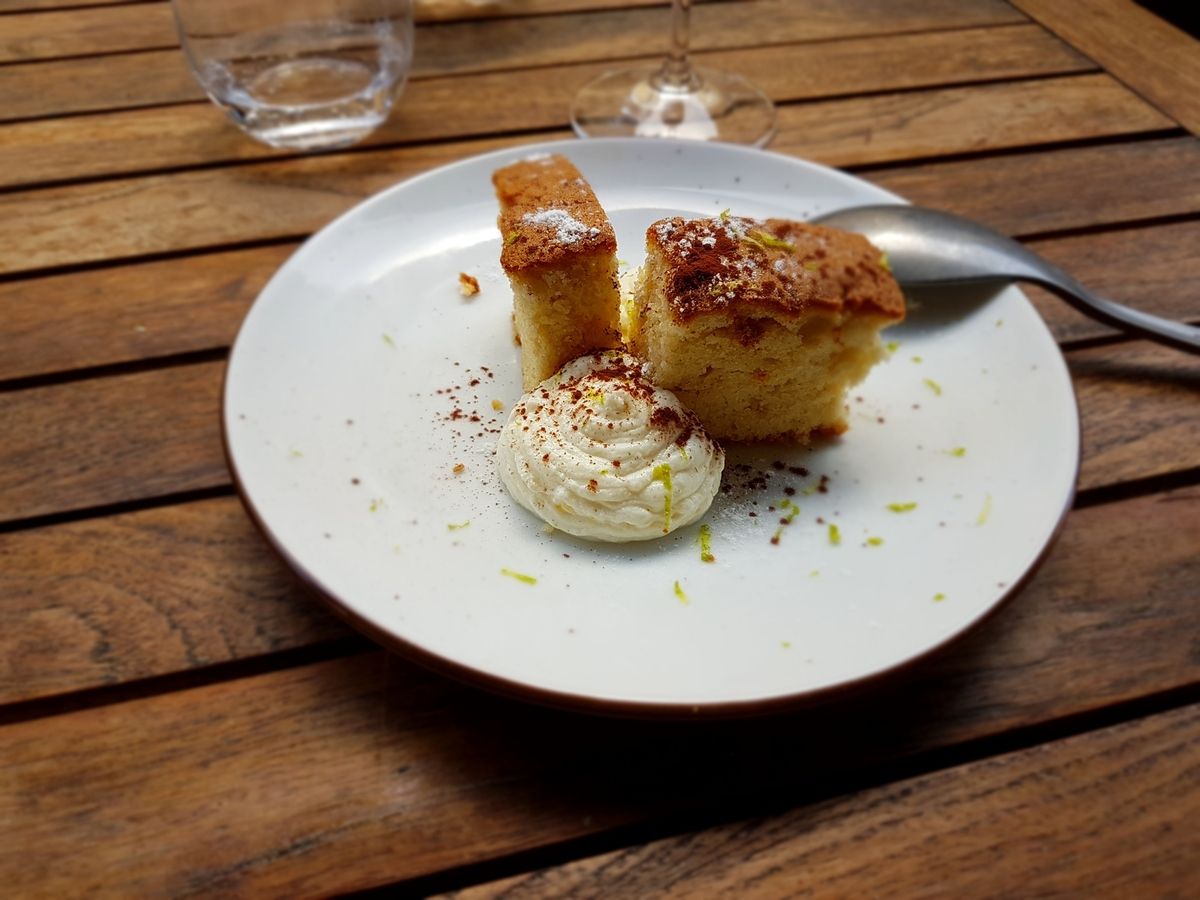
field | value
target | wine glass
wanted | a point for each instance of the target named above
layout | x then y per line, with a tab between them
674	99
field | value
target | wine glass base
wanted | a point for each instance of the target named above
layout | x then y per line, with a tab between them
713	106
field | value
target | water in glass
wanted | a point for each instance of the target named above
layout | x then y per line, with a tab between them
305	85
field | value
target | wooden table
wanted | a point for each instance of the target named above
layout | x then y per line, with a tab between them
181	718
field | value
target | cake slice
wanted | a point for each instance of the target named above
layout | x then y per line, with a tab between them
761	327
559	252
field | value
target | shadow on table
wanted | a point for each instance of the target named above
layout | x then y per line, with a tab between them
572	775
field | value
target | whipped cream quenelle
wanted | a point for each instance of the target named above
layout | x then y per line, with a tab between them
599	452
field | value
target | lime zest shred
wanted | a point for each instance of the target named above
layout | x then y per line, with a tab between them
519	576
902	507
662	472
767	241
835	534
813	266
498	405
724	216
376	505
892	346
717	288
387	339
885	262
786	645
630	315
939	597
815	573
956	451
918	359
999	323
622	262
792	510
451	526
295	454
704	539
511	238
933	386
986	511
874	542
679	592
602	473
596	397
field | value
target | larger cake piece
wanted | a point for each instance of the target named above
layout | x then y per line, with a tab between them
559	252
761	327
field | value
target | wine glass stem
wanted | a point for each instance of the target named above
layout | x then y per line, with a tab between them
677	69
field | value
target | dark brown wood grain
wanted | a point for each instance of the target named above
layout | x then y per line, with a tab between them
1155	269
109	315
110	440
1036	193
80	32
189	210
111	600
109	28
871	130
356	772
1116	384
12	6
192	134
1103	814
160	76
1145	52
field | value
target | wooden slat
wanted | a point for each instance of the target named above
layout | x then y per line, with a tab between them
1155	269
1107	813
155	77
76	32
424	10
116	599
155	309
1145	52
132	437
109	440
130	312
455	10
1113	384
63	87
122	218
461	47
189	134
355	772
150	26
964	120
1036	193
12	6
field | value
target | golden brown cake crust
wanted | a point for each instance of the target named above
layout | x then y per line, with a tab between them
548	214
729	264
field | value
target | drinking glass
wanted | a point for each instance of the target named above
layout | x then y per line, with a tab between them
301	74
674	99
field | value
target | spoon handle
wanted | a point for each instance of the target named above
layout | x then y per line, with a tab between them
1165	331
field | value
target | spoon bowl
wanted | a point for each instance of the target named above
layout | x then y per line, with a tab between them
928	246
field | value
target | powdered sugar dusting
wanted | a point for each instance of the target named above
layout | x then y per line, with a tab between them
567	229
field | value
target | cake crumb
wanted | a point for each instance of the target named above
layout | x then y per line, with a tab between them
458	469
468	285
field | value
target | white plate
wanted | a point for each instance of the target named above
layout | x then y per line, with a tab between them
339	422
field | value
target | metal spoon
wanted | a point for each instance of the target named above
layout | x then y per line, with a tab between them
927	246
